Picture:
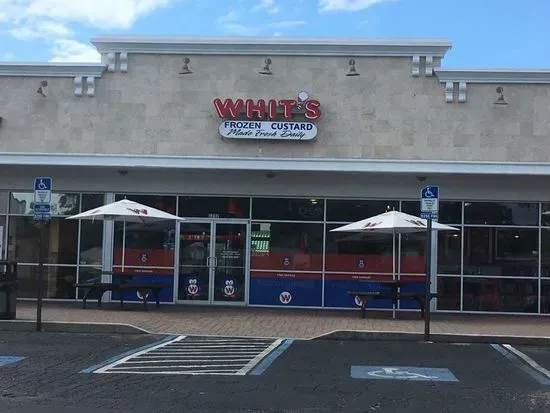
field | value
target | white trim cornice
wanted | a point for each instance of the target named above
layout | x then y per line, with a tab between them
52	69
272	46
276	164
493	75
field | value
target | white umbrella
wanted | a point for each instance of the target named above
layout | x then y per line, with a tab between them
125	210
393	222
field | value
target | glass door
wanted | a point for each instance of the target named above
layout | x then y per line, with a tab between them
194	261
229	267
213	261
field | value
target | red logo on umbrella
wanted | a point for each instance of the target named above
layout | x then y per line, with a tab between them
416	222
138	211
372	224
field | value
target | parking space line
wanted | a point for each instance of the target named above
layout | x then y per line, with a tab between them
528	360
524	362
271	358
95	367
194	355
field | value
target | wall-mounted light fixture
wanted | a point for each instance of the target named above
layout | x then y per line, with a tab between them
500	97
266	70
42	88
185	70
352	71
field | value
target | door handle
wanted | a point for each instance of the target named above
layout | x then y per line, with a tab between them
208	259
215	261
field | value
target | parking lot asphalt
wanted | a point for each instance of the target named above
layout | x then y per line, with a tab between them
308	376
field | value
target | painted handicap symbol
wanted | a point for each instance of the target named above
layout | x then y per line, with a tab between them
396	373
429	193
41	185
403	373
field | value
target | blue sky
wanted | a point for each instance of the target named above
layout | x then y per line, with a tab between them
484	33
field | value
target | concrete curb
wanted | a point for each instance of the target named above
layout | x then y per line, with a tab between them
70	327
352	335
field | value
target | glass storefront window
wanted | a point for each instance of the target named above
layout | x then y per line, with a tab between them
90	201
91	243
22	203
545	215
61	240
500	294
545	296
450	212
147	245
449	252
4	199
4	234
545	252
57	281
413	253
448	289
286	209
164	203
508	252
358	252
213	207
88	275
350	210
501	213
286	246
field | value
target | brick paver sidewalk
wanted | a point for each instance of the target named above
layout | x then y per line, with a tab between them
280	322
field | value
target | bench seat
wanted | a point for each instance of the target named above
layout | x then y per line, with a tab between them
102	288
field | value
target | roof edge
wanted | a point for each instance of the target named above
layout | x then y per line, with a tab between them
51	69
245	45
276	164
493	75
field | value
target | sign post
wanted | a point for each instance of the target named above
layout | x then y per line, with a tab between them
429	210
42	214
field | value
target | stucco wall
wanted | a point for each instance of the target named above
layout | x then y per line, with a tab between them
384	113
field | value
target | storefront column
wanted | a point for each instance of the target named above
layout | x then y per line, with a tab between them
433	269
107	259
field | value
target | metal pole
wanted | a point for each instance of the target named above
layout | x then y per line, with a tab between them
427	311
40	277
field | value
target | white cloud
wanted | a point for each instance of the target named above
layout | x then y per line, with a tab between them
267	5
242	30
348	5
8	56
49	19
41	30
229	17
103	14
67	50
285	24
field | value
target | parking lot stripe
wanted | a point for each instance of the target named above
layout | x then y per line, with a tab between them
91	369
142	350
271	358
528	360
195	355
259	357
522	362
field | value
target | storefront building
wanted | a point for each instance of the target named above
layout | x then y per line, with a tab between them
264	146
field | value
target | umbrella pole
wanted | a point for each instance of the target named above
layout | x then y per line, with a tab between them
393	266
123	243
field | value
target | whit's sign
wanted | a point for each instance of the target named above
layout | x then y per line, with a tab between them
237	129
286	119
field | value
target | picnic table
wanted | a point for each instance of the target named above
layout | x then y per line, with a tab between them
144	289
391	290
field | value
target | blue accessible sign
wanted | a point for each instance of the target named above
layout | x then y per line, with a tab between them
42	198
429	202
